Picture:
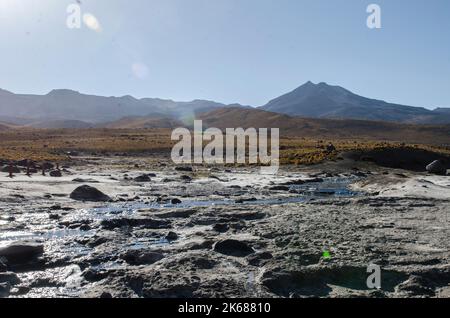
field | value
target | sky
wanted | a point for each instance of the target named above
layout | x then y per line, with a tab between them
230	51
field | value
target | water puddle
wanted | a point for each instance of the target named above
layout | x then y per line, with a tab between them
47	236
328	188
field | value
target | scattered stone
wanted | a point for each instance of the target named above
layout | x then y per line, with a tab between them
11	169
47	166
8	277
5	289
259	259
331	148
416	285
88	193
141	257
436	167
21	252
233	248
143	178
184	169
80	180
106	295
280	188
221	227
3	266
55	173
176	201
186	178
240	201
172	236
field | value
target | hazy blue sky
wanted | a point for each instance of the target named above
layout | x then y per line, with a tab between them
246	51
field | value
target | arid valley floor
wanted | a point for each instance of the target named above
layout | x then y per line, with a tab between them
160	230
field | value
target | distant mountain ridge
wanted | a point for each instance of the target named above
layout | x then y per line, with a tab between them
64	108
326	101
67	105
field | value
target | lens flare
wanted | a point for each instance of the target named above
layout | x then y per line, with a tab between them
92	22
139	70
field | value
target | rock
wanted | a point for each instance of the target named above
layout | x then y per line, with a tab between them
21	252
331	148
93	275
73	153
259	259
280	188
176	201
55	173
143	178
87	193
204	245
4	289
80	180
221	228
13	169
186	178
54	216
436	167
26	163
233	248
47	166
240	201
416	285
106	295
172	236
184	169
3	266
8	277
141	257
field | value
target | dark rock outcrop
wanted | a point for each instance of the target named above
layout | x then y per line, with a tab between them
436	167
88	193
21	252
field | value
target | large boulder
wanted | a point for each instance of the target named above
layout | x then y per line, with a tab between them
437	167
233	248
55	173
143	178
88	193
21	252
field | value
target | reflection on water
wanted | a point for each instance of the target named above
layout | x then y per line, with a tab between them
328	188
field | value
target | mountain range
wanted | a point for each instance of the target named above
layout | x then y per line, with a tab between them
326	101
66	107
63	108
